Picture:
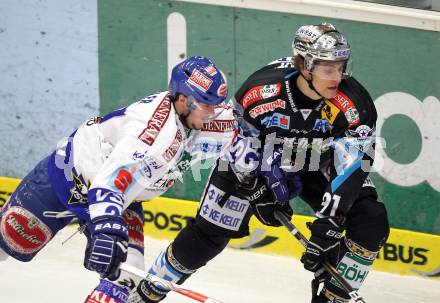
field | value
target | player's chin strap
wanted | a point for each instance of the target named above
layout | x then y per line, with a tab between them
354	295
311	86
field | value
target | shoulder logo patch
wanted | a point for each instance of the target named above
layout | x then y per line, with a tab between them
260	92
346	105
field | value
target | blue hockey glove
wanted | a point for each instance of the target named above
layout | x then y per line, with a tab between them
284	185
107	245
323	244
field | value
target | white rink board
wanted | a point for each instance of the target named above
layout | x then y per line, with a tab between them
57	275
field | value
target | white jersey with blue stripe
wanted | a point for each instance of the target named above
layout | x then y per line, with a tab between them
134	153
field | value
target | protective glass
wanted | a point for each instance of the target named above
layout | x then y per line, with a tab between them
203	111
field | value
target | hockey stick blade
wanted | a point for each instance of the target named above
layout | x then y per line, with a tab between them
167	284
354	295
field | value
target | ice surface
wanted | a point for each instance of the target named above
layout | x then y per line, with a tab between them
57	275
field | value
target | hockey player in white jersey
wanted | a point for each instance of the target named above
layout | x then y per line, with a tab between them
99	172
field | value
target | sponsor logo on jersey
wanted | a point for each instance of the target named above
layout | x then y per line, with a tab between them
342	101
361	137
182	165
135	228
329	111
276	120
157	121
200	81
148	99
92	121
321	125
105	202
98	296
137	156
148	164
79	190
228	215
172	150
346	105
353	269
258	93
208	147
23	232
352	116
219	126
305	113
123	180
267	107
359	250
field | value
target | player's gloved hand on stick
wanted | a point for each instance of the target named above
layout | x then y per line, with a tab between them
107	246
147	292
276	178
323	244
282	185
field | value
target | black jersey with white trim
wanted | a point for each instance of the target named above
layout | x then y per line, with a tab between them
334	135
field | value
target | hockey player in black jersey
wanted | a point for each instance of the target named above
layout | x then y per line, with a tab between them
307	128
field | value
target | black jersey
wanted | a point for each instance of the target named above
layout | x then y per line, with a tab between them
333	135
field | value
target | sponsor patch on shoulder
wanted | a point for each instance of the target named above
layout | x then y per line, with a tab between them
260	92
346	105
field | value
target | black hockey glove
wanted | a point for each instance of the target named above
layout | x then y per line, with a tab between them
107	245
264	211
323	244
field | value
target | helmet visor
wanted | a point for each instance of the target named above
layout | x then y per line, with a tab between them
203	111
332	70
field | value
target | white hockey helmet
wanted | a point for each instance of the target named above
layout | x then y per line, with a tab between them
322	42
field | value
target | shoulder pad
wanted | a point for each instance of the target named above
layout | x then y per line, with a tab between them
157	120
284	62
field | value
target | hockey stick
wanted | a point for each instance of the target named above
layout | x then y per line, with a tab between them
354	295
167	285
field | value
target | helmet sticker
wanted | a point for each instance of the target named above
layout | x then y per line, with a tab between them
200	81
211	70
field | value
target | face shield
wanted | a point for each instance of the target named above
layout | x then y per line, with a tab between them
330	65
332	70
201	111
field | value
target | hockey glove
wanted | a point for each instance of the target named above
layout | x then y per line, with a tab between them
323	244
107	245
263	204
277	179
147	292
